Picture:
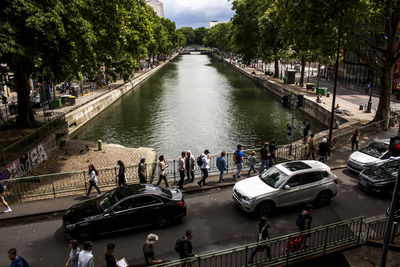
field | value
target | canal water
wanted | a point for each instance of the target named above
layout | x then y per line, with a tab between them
195	102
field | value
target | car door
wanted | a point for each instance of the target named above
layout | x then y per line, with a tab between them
119	217
149	207
294	193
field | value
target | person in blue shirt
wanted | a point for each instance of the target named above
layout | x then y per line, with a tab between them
221	165
16	261
238	158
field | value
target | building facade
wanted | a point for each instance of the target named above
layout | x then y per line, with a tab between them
213	23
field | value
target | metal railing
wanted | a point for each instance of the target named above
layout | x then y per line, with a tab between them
68	183
294	247
14	150
286	249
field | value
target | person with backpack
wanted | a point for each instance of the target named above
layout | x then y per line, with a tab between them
183	247
221	165
238	159
323	150
264	155
304	219
263	234
16	261
204	162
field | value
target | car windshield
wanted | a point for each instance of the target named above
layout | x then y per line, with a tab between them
391	168
375	149
273	177
165	192
108	200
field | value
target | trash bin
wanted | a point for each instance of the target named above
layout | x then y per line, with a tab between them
290	76
322	90
361	107
310	86
99	144
56	103
71	100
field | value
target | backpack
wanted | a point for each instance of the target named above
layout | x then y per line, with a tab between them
24	262
179	245
235	157
199	161
300	221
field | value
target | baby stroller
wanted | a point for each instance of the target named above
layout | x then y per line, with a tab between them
295	243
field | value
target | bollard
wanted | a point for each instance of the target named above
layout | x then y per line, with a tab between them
99	144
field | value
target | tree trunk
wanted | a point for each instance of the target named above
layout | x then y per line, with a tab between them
303	67
318	73
276	72
25	116
383	112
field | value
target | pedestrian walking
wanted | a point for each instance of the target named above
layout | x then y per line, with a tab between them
272	149
93	182
306	129
264	155
221	165
311	147
252	163
142	171
355	138
367	88
16	261
304	219
205	165
121	174
184	247
86	258
238	159
289	132
181	169
2	191
162	173
263	234
190	165
73	254
109	257
323	150
148	250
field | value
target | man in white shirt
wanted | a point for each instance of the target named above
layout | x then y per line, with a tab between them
205	157
86	255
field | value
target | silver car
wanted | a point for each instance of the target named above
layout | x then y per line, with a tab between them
286	184
376	153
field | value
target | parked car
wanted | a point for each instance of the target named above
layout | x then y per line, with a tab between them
370	156
380	179
286	184
125	207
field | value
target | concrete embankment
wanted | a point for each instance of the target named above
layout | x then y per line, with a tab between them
78	117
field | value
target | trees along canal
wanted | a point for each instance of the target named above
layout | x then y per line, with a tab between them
62	40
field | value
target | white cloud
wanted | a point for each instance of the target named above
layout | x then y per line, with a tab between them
194	13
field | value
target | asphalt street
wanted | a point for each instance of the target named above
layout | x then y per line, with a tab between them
216	223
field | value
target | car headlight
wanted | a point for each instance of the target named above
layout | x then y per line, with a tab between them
251	200
70	226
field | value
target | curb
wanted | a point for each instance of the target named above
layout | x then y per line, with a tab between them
22	217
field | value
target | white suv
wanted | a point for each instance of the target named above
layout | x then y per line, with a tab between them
286	184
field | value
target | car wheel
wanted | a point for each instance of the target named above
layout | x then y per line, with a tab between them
163	221
323	199
265	209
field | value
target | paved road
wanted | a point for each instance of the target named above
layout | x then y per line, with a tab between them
216	224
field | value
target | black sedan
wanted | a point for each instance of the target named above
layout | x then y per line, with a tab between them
380	179
126	207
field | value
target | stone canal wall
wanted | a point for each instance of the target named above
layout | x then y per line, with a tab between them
310	107
76	118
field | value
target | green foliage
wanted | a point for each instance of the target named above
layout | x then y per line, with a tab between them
220	36
199	34
189	34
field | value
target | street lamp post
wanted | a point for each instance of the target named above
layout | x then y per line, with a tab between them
335	81
369	107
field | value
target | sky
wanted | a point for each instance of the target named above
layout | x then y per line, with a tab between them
197	13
